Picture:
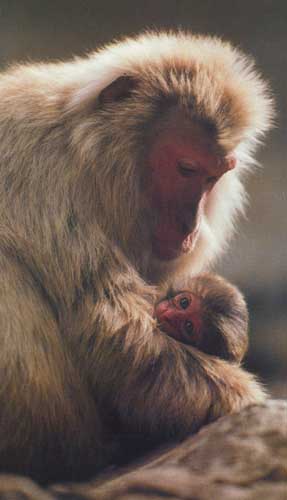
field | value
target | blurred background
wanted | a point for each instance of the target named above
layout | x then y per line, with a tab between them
257	260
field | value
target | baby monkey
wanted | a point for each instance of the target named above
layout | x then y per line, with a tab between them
211	315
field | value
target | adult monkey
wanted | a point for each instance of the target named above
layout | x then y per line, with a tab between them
118	171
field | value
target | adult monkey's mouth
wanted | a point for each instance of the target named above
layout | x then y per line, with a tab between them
170	242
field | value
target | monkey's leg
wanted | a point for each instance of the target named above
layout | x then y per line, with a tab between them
48	423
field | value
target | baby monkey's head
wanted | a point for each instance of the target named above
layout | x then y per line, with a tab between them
210	315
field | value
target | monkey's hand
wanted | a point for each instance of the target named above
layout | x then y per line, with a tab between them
231	387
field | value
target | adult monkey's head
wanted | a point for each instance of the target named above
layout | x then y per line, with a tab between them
173	120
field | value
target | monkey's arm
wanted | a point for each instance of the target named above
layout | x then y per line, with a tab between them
155	383
50	425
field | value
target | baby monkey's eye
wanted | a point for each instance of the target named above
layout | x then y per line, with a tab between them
189	327
184	302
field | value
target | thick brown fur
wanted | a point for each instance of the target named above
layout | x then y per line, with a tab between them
79	345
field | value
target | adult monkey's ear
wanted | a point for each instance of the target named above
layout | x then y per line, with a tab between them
118	90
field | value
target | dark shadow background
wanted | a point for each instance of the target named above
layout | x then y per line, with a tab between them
257	260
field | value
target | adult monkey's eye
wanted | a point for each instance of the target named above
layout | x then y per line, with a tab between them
188	327
185	169
184	302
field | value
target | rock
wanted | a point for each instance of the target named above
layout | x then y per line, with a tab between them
239	457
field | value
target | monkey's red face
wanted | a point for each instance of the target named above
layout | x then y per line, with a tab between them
181	317
184	165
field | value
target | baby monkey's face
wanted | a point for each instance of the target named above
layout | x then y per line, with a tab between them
181	317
